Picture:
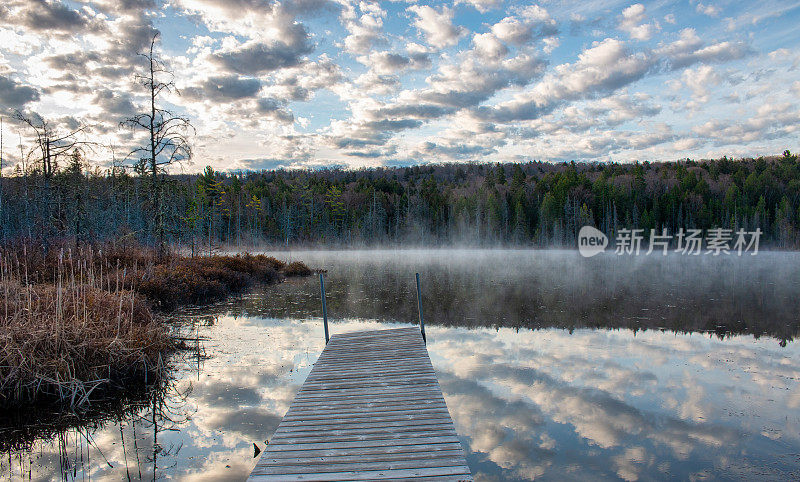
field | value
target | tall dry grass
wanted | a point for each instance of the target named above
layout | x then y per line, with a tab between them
78	320
79	333
167	282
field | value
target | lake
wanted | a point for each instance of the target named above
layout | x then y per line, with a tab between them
553	366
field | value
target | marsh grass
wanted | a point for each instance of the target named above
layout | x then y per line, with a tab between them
72	334
76	322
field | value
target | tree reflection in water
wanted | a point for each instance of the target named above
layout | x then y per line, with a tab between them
727	295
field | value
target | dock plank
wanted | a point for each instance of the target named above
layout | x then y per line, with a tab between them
371	409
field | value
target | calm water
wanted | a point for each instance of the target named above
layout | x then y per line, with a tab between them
553	366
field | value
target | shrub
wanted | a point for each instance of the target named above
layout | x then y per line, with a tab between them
205	279
297	268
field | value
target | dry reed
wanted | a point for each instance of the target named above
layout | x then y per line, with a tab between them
80	334
77	320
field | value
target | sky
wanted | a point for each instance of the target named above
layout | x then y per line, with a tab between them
344	83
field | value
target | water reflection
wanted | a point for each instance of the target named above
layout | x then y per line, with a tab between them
204	427
548	402
606	404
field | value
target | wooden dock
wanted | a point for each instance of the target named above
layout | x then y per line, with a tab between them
371	409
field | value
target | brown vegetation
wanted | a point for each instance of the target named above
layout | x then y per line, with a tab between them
62	342
202	280
166	281
297	268
75	321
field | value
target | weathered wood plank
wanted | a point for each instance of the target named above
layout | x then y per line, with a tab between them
367	418
404	450
307	460
367	443
371	365
361	351
358	393
381	397
366	428
344	346
391	404
374	418
462	471
314	393
367	451
371	409
356	437
379	370
311	468
376	333
378	381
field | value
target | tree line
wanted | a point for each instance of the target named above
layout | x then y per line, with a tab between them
514	204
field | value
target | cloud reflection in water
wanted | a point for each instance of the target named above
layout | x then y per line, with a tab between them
605	403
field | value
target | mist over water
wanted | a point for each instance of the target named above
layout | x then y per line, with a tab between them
552	366
726	295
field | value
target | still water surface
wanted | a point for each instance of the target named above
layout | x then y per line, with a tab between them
552	366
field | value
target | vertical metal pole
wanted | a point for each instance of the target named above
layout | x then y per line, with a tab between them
419	306
324	307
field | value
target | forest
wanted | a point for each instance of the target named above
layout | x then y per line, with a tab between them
536	203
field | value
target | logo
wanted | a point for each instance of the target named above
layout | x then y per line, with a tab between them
591	241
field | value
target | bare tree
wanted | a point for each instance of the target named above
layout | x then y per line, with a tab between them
168	133
51	141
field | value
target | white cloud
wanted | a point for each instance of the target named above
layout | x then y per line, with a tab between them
527	24
512	30
632	21
19	43
605	66
475	77
437	25
708	9
5	66
689	49
550	44
388	62
363	31
700	80
375	83
343	81
686	144
482	6
786	55
769	121
489	46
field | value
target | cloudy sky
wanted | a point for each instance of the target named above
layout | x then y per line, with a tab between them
310	83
